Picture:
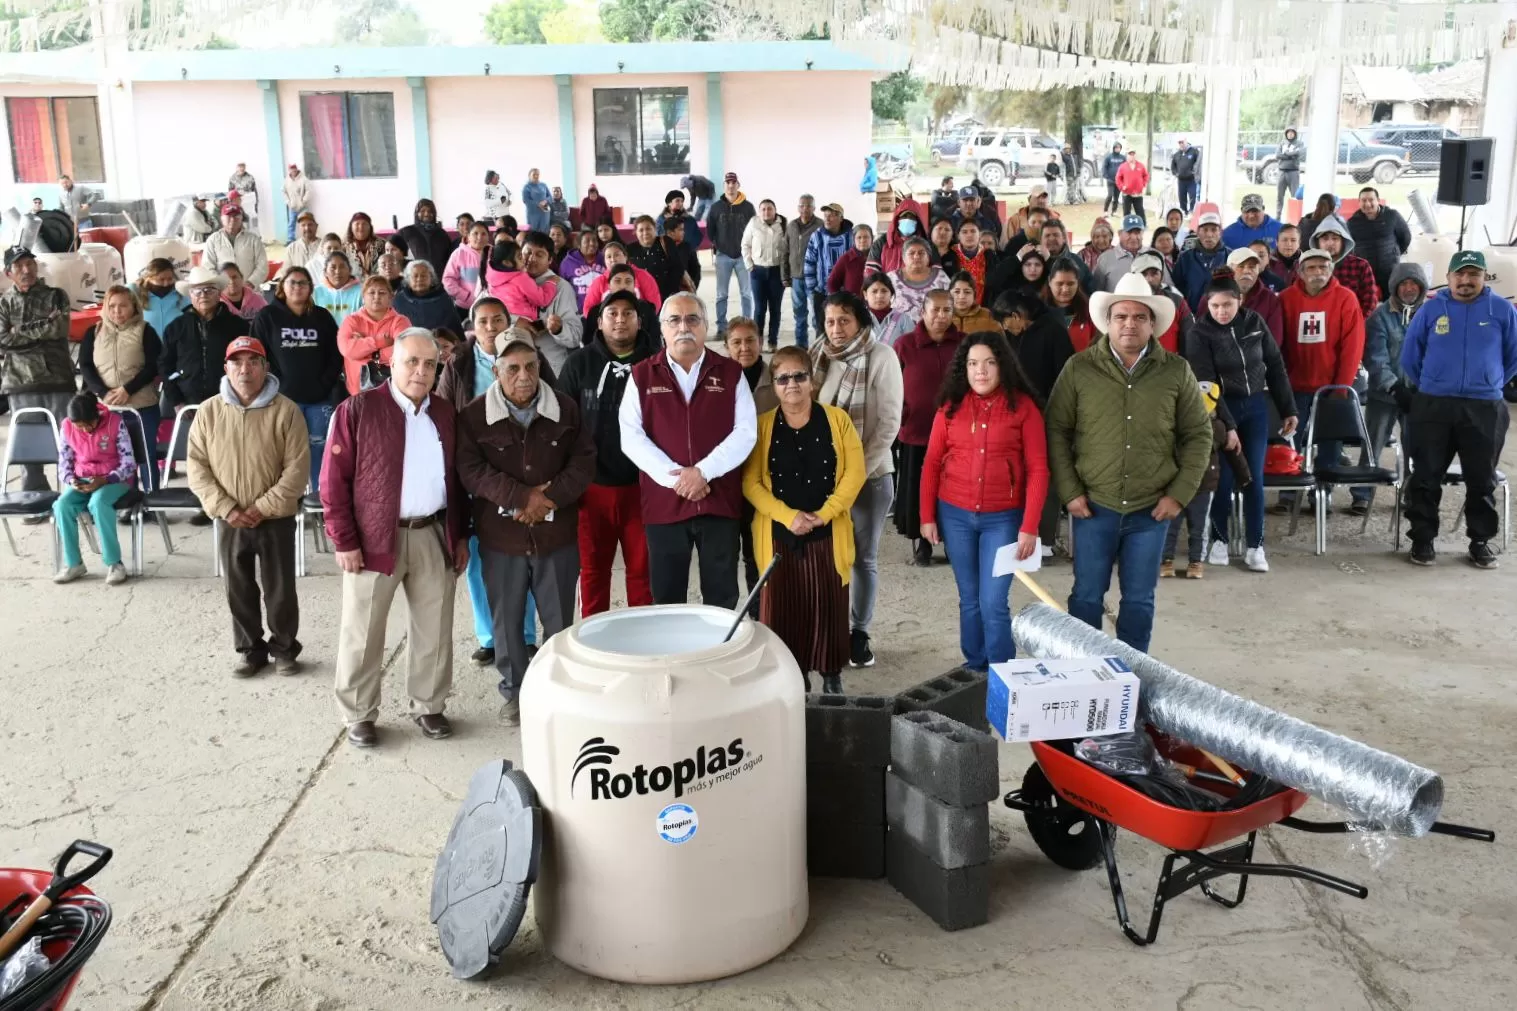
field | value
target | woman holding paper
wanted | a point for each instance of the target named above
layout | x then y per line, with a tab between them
983	484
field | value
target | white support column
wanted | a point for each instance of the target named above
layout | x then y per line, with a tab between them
1219	155
114	101
1497	216
1319	173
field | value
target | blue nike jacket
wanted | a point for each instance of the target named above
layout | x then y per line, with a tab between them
1455	349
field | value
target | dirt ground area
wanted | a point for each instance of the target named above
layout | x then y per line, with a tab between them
262	863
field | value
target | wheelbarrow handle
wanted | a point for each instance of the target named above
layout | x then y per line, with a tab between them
1463	831
62	882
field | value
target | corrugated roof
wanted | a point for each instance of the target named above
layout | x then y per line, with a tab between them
1381	84
1462	82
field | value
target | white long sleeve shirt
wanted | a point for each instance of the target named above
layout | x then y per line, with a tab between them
423	480
729	454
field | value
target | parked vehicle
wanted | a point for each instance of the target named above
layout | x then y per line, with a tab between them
1358	156
1000	156
1423	142
948	146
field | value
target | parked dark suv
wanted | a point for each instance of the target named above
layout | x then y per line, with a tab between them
1423	142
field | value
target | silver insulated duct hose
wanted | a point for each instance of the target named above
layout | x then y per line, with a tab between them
1376	788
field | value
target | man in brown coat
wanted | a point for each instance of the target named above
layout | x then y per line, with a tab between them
527	459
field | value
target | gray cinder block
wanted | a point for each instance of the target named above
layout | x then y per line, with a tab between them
955	899
951	837
950	761
849	728
958	694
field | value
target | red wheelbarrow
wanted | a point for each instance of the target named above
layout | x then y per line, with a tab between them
68	918
1073	810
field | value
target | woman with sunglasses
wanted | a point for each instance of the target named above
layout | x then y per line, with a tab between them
802	477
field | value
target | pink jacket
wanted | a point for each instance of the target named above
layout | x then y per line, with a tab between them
361	337
461	277
647	290
105	452
252	301
523	296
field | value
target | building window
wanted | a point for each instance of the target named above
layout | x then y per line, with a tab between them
642	131
348	134
52	137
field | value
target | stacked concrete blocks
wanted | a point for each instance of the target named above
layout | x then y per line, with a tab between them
847	751
943	774
958	694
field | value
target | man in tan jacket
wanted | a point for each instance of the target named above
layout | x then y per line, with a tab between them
249	461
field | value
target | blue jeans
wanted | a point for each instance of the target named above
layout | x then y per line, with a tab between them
318	420
479	603
702	205
768	297
800	304
1326	451
290	214
149	467
1380	418
972	540
101	504
1134	543
1251	414
1187	189
726	266
1196	514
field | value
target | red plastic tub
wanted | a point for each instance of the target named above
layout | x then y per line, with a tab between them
14	882
1107	797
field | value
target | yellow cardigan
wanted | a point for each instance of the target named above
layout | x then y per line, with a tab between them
769	510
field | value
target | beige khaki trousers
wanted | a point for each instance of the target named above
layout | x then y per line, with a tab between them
422	570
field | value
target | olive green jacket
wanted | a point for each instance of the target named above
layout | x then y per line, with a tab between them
1125	440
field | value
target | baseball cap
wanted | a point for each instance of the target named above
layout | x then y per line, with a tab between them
730	177
245	345
1209	218
1132	223
1314	254
294	166
968	193
17	253
1460	260
1037	188
1242	255
1147	261
1253	202
835	208
513	337
231	209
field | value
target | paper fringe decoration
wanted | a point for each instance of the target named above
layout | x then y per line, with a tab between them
1141	45
141	24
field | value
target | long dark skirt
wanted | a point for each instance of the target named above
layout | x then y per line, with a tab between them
806	604
908	491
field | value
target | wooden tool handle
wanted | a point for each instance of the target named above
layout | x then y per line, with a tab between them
23	925
1222	767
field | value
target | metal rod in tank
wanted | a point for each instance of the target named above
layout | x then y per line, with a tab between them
753	593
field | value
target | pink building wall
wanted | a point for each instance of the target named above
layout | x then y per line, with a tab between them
509	124
787	134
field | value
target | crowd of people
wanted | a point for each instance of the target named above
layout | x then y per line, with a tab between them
518	404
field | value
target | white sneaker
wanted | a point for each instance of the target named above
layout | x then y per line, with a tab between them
115	575
1254	559
69	574
1218	553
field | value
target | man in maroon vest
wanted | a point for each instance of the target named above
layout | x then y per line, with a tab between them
688	423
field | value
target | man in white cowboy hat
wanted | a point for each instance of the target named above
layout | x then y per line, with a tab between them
1129	441
195	343
237	244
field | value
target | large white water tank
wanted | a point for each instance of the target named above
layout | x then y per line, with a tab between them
670	767
145	248
1501	268
1433	252
73	272
105	267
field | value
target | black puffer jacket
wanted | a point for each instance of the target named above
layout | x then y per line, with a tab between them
1042	348
1241	357
596	379
193	358
1381	240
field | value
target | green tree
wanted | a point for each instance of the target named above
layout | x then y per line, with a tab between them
890	95
656	20
519	22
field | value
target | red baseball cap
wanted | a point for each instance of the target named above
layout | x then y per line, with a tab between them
245	345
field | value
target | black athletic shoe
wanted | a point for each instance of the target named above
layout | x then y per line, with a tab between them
1422	553
832	684
1481	555
859	653
921	554
483	657
1360	507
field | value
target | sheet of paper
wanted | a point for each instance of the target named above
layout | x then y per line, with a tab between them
1007	563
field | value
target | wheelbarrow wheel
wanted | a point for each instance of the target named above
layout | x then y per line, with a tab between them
1066	835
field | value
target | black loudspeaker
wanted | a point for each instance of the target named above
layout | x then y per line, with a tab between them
1464	171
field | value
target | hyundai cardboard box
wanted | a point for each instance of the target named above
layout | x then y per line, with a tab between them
1055	700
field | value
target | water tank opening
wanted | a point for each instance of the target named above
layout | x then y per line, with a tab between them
656	631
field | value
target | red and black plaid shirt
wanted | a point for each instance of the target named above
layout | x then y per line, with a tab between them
1356	274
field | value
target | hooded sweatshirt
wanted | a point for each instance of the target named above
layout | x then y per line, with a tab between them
1239	234
1324	336
823	250
1351	271
726	221
430	242
256	456
1193	271
1043	347
302	351
1458	349
1385	332
596	379
460	278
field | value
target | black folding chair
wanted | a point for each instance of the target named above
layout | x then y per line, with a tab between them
131	503
1340	419
1300	483
164	501
29	443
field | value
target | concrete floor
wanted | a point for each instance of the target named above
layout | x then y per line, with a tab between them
262	863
